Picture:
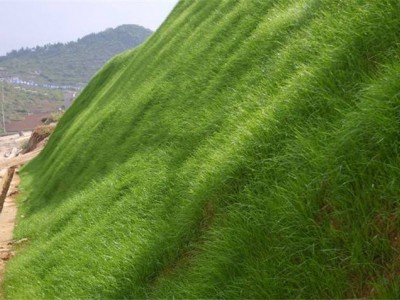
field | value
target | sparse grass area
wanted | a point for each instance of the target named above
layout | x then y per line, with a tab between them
55	117
249	149
44	130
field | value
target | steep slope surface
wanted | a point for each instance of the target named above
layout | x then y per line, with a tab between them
73	63
247	149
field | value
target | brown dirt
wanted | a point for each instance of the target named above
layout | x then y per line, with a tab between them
9	212
19	160
39	134
30	122
6	186
7	223
8	142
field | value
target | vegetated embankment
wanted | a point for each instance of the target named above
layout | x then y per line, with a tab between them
249	149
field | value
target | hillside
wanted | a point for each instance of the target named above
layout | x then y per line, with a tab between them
22	100
43	79
249	149
73	63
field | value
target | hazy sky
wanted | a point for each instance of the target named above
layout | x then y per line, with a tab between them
28	23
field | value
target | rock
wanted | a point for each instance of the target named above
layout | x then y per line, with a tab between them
13	242
6	256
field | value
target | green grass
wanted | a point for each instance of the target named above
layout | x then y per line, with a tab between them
249	149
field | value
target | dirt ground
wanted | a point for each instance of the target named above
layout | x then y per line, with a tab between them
7	143
19	160
29	122
7	223
9	211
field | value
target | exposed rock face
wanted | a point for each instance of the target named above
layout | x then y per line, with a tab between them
39	134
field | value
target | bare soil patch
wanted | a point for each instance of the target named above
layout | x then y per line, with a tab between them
30	122
9	189
7	223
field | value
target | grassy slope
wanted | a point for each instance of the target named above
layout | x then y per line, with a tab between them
248	149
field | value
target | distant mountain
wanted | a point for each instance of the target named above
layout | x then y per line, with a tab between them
73	63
